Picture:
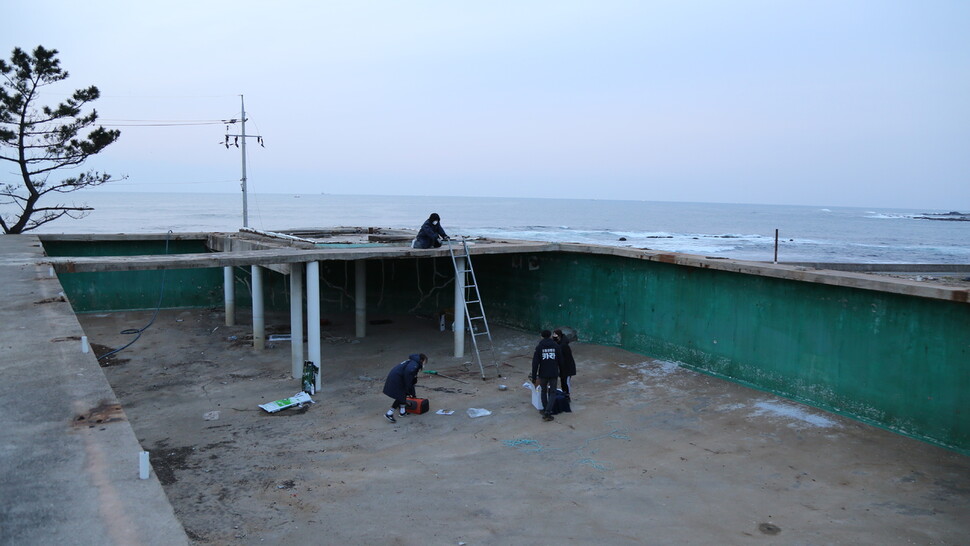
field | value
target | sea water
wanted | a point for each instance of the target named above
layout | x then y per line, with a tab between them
805	233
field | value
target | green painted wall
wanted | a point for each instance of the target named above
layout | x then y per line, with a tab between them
97	292
897	361
401	286
407	286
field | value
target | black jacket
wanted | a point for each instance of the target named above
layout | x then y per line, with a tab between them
402	378
429	235
568	366
547	359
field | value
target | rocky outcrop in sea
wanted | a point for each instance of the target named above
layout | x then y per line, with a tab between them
952	216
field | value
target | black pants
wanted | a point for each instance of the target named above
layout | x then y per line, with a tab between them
564	384
548	385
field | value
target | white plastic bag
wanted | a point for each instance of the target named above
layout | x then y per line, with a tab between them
478	412
536	394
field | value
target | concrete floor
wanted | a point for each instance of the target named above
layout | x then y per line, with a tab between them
651	454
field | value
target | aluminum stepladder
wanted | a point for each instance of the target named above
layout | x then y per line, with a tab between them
472	299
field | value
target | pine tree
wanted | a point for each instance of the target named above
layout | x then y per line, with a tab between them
39	141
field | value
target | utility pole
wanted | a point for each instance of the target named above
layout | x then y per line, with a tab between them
242	118
242	146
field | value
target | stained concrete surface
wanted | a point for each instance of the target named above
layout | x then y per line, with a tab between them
68	457
652	453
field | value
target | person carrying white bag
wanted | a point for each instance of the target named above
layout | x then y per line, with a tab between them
545	371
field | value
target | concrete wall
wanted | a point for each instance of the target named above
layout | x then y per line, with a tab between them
895	360
398	286
113	290
901	362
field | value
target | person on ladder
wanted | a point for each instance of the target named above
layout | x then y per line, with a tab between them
431	233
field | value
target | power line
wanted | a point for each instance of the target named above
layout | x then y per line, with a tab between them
48	92
129	182
168	120
157	123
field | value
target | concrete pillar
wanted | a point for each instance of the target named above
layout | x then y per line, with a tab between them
313	316
296	319
229	295
459	307
360	296
259	319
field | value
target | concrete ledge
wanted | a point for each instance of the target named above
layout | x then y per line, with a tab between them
238	250
92	237
227	255
862	281
885	268
69	457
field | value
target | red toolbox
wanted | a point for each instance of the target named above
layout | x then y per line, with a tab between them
418	405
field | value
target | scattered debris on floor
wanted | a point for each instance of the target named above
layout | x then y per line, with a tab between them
297	399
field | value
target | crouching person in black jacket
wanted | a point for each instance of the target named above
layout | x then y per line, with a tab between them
431	233
400	383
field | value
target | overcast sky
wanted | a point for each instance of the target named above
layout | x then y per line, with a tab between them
854	103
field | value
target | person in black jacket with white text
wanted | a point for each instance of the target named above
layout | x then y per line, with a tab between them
545	371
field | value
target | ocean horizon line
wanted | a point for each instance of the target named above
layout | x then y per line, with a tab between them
251	195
